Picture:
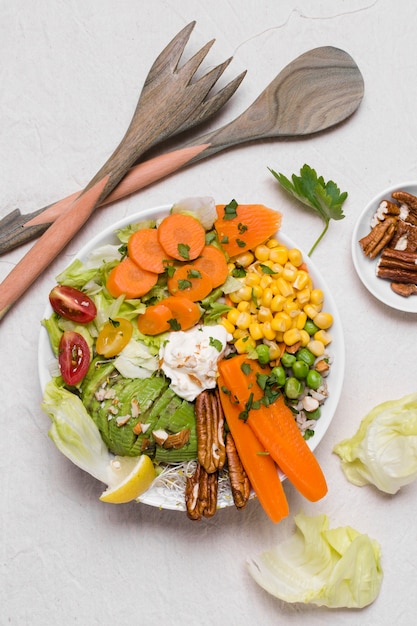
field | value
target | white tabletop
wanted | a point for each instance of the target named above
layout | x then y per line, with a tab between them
71	72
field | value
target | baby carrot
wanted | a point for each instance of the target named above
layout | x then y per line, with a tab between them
189	282
145	250
242	227
275	427
213	262
128	279
260	467
182	236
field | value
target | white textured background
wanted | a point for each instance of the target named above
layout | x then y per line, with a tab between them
70	75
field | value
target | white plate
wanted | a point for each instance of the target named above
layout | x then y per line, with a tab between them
366	268
170	496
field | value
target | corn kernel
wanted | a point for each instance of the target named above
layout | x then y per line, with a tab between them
300	320
323	320
281	322
266	281
238	333
272	243
317	296
231	267
268	331
291	307
264	314
244	320
243	306
303	296
252	279
244	293
316	347
262	252
305	338
244	259
232	316
279	336
295	257
285	288
289	272
244	344
323	336
301	280
257	292
310	311
279	254
274	350
267	297
277	302
255	330
227	325
292	336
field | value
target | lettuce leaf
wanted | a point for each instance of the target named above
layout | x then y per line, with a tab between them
383	452
336	568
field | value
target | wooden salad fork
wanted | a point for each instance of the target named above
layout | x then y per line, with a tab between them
169	103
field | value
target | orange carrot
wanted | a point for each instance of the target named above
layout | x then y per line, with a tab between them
260	467
184	311
128	279
182	236
189	282
145	250
213	262
242	227
275	427
155	319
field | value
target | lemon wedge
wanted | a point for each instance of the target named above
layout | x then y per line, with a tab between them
130	477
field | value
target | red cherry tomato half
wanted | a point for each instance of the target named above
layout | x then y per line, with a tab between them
113	337
72	304
73	357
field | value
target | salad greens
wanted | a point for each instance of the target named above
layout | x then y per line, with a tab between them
383	452
337	567
314	192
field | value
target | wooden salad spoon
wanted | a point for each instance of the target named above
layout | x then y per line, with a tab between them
169	103
316	91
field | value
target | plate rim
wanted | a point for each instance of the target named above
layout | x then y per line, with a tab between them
378	287
153	497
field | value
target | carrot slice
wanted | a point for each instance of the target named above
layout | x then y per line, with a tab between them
184	311
275	427
260	467
128	279
213	262
242	227
145	250
190	282
155	319
182	236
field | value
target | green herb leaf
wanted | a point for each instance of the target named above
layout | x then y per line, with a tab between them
216	343
174	324
184	250
229	211
310	189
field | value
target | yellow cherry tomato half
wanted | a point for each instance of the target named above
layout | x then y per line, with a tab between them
113	337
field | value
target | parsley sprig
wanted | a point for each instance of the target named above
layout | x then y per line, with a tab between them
314	192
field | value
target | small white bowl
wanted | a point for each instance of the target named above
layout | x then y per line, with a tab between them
366	268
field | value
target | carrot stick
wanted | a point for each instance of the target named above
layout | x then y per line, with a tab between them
260	467
128	279
145	250
242	227
189	282
182	236
213	262
275	427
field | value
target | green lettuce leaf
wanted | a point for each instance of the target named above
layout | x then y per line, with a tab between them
383	452
336	568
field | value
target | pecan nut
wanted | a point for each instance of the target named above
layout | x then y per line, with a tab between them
404	289
378	237
210	430
399	266
201	494
239	481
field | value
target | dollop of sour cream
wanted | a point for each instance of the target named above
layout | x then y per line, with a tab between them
189	359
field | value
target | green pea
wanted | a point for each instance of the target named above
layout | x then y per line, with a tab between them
310	327
304	354
300	369
287	359
314	379
313	415
279	375
293	388
263	353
